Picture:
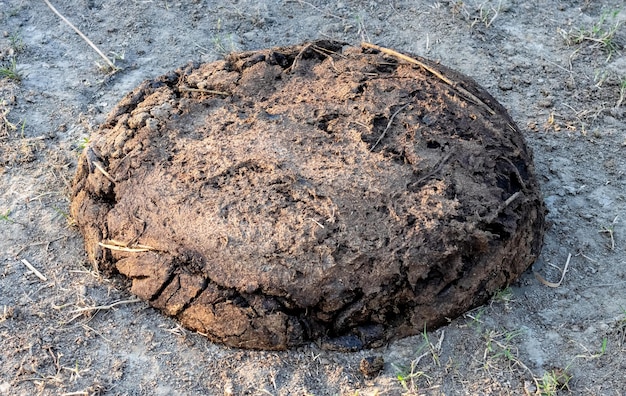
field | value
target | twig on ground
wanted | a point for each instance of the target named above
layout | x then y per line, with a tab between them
34	270
91	44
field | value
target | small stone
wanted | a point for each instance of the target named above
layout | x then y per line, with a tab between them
370	366
505	85
5	387
546	103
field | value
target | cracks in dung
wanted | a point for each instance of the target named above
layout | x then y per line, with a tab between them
170	277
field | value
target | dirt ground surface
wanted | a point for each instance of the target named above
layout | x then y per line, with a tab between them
557	66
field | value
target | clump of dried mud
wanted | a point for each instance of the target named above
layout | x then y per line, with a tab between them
314	192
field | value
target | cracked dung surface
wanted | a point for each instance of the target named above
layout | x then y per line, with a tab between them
311	192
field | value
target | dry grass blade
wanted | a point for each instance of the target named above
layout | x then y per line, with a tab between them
5	125
434	72
91	44
440	341
34	270
104	172
101	307
610	231
552	284
320	10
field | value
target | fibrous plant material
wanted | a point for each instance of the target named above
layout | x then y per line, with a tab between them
108	61
347	196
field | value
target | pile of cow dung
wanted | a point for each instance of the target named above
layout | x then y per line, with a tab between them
343	195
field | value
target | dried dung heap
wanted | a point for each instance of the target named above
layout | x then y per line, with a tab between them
317	192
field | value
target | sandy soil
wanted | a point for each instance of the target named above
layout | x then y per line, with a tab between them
557	66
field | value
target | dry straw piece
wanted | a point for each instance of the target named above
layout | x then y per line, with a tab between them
115	245
434	72
563	272
91	44
109	306
34	270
